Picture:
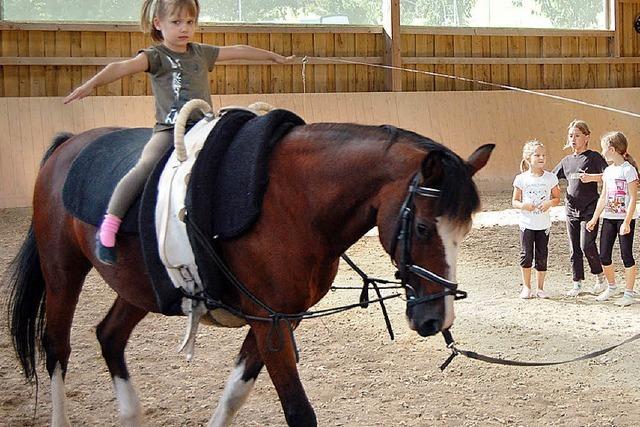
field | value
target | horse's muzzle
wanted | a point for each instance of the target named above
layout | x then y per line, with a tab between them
424	322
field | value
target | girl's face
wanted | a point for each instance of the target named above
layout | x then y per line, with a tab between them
177	29
608	152
577	140
538	158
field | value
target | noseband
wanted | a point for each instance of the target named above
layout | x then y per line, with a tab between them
403	240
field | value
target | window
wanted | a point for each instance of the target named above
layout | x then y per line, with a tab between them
571	14
367	12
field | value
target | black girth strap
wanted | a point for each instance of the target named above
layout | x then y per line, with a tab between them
496	360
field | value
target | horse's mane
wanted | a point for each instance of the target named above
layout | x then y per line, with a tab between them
458	193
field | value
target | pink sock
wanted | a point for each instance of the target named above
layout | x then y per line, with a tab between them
108	230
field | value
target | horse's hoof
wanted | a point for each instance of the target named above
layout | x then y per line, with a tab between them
105	254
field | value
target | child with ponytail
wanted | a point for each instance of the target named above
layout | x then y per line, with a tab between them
617	206
178	69
535	191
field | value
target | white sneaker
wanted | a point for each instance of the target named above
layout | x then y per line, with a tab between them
541	294
525	293
599	286
575	291
625	301
608	293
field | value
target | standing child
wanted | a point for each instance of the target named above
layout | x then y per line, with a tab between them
583	170
617	206
178	70
534	192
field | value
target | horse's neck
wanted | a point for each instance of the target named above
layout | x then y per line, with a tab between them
346	180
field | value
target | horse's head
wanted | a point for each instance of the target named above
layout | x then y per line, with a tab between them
424	234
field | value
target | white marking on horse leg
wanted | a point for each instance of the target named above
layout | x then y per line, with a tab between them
233	397
451	235
58	399
128	403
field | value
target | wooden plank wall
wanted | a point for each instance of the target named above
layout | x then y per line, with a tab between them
533	59
461	120
58	80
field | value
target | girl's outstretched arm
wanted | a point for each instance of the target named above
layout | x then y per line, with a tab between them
110	73
590	177
229	53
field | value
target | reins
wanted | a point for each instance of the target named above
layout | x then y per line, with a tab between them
275	317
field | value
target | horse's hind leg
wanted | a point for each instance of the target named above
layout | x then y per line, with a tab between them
239	384
64	284
113	333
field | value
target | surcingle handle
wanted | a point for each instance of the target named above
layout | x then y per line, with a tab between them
181	122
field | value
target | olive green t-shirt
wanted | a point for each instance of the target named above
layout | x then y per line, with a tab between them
178	77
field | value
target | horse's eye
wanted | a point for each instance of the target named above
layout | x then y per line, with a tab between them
424	230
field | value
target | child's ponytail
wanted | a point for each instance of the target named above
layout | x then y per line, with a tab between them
631	160
147	14
619	142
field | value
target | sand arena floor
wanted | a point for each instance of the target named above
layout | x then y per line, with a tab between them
353	374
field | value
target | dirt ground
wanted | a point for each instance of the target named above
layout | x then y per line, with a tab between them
353	373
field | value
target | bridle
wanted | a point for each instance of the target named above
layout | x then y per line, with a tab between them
405	265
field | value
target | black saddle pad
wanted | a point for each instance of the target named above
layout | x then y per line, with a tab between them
229	179
96	171
88	188
230	176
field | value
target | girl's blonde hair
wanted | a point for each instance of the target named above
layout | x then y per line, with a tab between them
618	141
527	151
162	8
581	125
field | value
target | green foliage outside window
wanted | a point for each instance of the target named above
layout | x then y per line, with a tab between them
561	13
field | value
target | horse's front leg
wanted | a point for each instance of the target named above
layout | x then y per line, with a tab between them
278	353
240	383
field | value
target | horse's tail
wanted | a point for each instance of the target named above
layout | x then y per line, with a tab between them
58	140
27	293
27	305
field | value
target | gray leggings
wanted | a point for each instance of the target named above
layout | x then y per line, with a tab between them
132	184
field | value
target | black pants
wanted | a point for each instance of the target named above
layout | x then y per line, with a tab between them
611	229
582	242
534	242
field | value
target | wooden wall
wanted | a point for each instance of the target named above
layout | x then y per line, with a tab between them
35	60
50	60
461	120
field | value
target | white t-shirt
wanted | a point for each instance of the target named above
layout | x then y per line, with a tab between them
617	179
535	190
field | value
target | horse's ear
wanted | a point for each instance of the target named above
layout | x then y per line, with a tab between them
480	157
432	167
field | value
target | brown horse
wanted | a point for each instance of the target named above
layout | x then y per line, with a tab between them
328	185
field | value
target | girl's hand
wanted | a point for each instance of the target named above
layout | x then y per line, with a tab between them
284	59
544	206
528	207
591	224
584	178
79	93
625	228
